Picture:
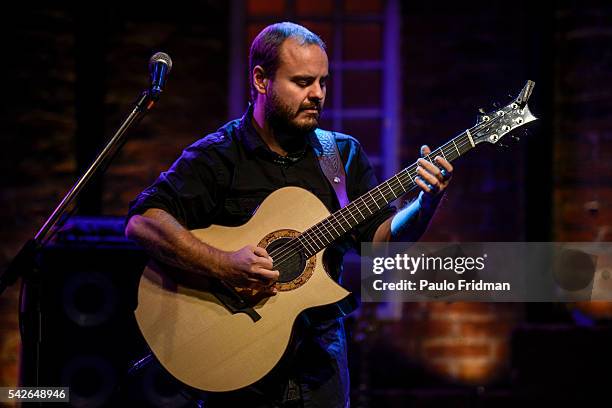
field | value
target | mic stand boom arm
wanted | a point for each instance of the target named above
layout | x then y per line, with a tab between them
25	262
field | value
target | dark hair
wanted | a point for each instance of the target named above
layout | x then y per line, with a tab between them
265	47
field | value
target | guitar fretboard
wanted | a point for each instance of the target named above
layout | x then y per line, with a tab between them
322	234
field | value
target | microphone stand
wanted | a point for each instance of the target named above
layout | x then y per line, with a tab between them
26	262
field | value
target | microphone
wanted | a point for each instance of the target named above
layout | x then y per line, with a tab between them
160	65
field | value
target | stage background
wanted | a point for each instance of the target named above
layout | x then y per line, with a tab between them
74	74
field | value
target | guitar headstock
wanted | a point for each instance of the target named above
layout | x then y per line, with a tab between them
493	126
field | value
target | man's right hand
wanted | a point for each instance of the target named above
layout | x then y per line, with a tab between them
166	239
249	267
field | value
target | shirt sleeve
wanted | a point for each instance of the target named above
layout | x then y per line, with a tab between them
361	178
189	190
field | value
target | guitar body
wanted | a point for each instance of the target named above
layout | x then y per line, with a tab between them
215	339
204	344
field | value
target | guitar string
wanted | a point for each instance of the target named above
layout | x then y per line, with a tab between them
284	253
392	185
366	203
286	249
295	243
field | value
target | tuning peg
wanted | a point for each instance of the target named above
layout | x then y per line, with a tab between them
482	111
496	105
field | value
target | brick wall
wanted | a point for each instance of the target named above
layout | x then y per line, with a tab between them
37	159
458	341
583	126
583	167
459	58
39	162
455	61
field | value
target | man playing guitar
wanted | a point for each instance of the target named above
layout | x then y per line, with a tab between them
223	178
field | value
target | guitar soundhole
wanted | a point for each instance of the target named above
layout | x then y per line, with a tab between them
289	262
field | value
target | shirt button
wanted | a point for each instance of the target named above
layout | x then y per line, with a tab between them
336	179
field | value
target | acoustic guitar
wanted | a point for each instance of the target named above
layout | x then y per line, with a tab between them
214	337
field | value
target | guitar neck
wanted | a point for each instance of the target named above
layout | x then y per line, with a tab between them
322	234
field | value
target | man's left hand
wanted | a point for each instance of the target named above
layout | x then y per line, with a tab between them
433	177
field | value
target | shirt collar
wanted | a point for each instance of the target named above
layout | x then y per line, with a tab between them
254	143
248	135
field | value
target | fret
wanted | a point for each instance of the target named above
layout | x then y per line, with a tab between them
302	237
400	183
324	236
339	224
317	237
321	226
470	137
370	193
332	225
391	190
353	215
347	222
360	203
458	152
443	155
414	176
362	216
410	175
393	195
370	209
334	222
374	197
383	195
451	152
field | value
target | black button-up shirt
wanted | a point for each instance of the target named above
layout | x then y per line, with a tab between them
223	178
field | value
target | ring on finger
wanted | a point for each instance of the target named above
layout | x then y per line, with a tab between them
445	174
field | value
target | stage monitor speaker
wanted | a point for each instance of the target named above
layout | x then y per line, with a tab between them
89	337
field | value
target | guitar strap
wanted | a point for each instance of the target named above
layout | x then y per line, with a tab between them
327	153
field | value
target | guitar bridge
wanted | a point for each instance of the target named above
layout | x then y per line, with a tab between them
233	301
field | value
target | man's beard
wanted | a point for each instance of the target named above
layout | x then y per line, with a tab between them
289	133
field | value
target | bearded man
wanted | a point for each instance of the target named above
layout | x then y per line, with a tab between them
222	178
